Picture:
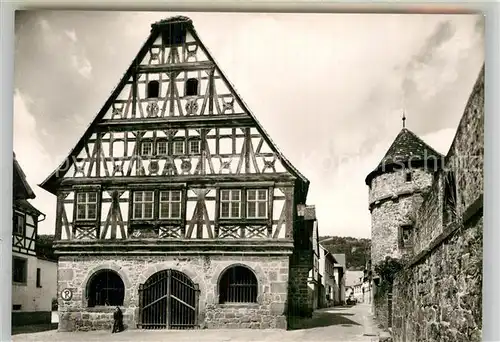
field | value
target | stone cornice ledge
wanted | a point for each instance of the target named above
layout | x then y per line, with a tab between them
475	208
393	197
174	247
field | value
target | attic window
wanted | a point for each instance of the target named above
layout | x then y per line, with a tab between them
153	89
191	87
174	35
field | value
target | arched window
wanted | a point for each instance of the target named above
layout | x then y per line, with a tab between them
238	284
105	288
153	89
191	87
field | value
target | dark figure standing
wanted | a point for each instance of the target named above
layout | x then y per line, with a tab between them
117	320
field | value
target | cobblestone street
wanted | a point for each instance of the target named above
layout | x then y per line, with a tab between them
333	324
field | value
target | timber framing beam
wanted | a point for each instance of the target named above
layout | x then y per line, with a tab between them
222	121
176	247
178	67
193	180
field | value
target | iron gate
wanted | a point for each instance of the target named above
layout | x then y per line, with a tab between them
168	300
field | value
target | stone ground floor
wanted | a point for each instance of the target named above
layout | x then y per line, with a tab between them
331	324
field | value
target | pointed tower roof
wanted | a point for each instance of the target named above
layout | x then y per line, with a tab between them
407	147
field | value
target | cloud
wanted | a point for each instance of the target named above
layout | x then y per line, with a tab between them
35	161
71	35
328	90
67	41
82	65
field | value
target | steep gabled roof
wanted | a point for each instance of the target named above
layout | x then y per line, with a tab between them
340	260
407	147
26	206
21	188
156	29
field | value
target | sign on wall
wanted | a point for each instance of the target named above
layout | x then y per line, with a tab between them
66	294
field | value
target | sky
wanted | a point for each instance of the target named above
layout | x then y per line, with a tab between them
330	89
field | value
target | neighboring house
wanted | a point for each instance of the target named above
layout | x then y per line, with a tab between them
315	276
354	284
327	271
176	206
339	271
34	270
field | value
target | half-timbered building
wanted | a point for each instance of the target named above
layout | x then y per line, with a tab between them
176	205
34	275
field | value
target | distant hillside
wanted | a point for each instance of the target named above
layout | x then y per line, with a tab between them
357	251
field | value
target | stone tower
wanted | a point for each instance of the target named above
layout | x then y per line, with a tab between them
396	187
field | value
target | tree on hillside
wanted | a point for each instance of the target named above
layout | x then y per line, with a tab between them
357	251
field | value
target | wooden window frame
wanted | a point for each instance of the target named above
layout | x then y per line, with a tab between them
178	142
156	189
243	188
230	201
198	142
18	216
157	145
169	203
143	204
257	201
86	203
24	281
150	143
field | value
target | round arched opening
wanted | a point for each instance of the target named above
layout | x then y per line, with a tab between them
105	287
169	300
238	284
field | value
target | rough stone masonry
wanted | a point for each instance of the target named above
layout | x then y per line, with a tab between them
438	295
269	311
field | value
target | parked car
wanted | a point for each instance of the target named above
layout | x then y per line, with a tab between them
351	300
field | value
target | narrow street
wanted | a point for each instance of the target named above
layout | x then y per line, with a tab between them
332	324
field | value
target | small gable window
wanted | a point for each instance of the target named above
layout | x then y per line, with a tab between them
161	147
408	176
191	87
178	147
153	89
174	35
194	147
146	148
